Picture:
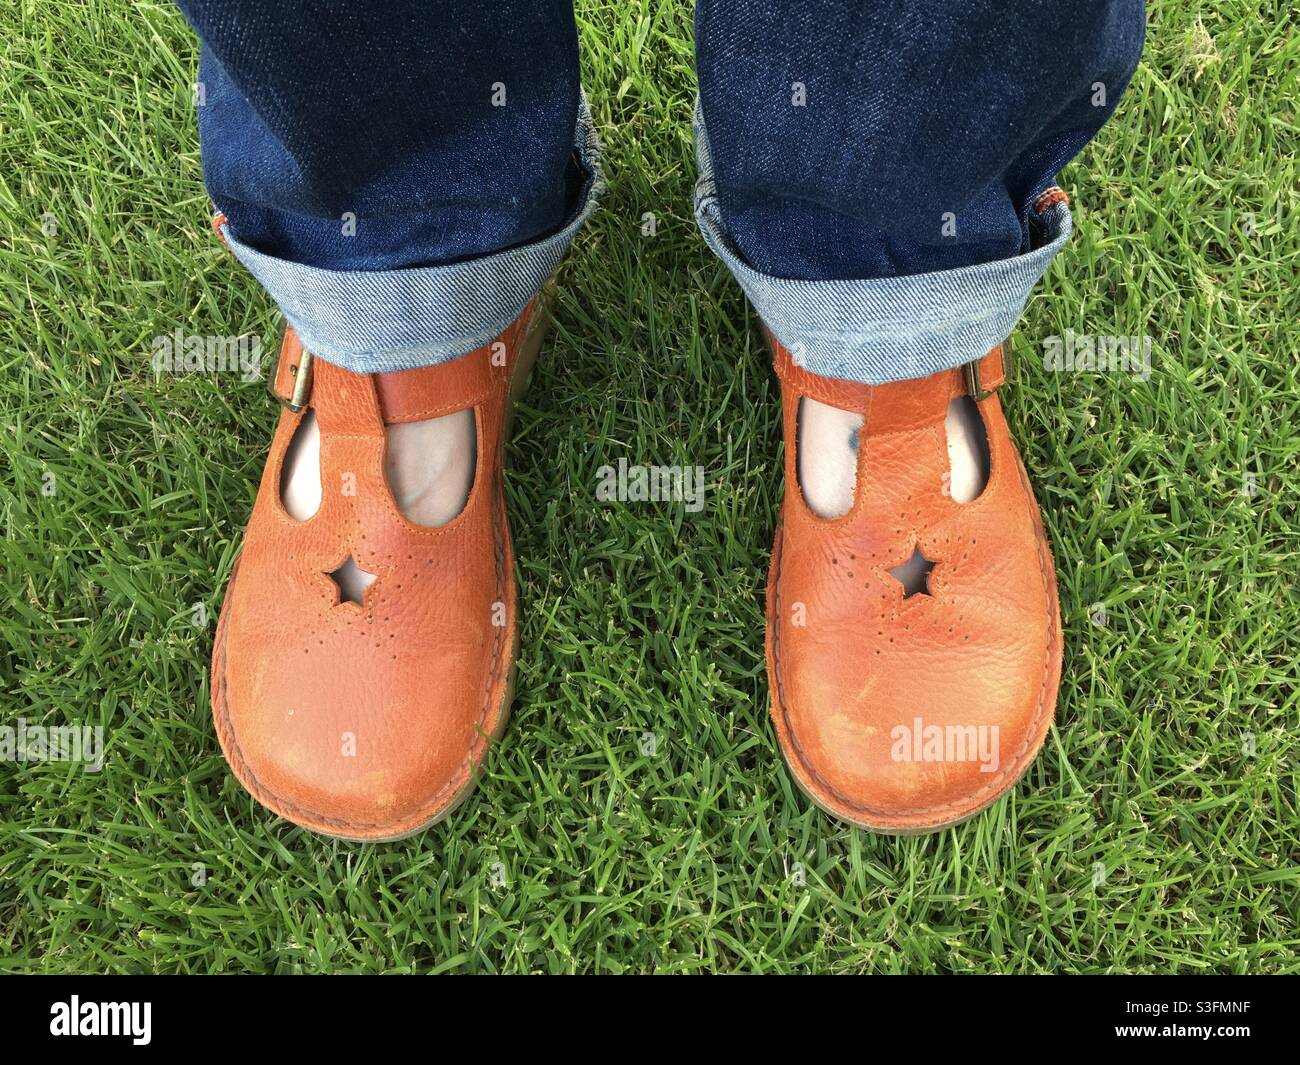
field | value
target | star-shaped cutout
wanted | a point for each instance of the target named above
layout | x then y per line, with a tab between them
914	574
352	581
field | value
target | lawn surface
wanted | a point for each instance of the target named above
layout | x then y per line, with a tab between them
1158	830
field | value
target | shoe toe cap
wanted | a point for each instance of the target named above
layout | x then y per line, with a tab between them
915	747
357	746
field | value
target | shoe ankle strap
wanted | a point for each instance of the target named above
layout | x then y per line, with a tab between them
403	395
898	405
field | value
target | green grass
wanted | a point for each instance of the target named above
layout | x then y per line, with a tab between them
643	618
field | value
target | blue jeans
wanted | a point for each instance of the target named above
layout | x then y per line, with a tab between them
402	177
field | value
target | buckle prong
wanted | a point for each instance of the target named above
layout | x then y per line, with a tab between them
970	372
297	399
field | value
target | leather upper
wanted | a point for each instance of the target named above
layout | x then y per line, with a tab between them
879	699
369	720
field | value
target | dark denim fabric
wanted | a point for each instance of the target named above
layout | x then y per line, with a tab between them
313	109
912	110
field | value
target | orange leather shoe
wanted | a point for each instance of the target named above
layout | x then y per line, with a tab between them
369	721
906	713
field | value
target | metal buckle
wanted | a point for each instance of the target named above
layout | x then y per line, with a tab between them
297	399
970	373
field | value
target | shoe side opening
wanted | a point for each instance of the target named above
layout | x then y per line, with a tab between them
430	466
968	450
300	485
827	452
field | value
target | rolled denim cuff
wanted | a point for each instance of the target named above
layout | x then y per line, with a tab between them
376	321
885	329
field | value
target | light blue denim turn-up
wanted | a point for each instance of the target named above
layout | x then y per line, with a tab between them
840	134
888	328
376	321
872	331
